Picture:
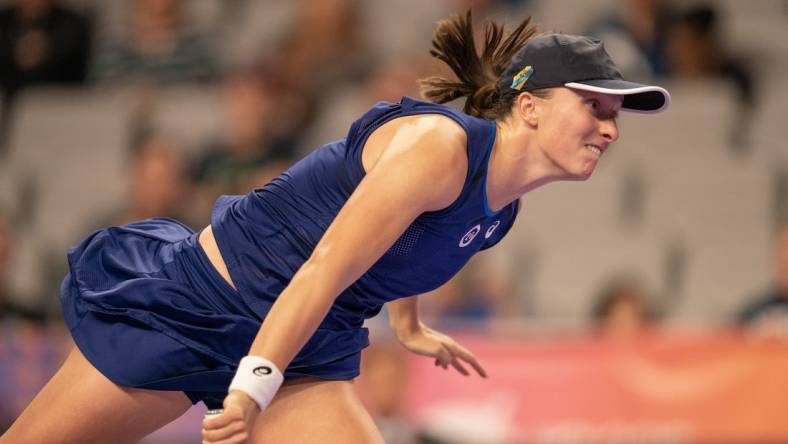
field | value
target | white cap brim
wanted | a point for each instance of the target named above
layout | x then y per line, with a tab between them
638	98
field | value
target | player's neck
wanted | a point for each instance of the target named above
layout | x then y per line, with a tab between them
516	165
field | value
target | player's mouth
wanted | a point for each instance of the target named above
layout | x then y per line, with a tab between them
596	149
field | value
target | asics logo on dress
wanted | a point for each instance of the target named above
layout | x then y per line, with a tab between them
470	235
491	230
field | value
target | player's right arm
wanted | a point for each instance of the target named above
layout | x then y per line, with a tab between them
421	167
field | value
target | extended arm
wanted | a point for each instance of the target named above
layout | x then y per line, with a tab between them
422	167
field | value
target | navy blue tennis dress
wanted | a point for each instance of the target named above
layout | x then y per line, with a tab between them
147	309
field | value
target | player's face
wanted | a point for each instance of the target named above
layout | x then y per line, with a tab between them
575	129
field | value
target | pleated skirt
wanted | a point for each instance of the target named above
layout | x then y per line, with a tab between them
148	310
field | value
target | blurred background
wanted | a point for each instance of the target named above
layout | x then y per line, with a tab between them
646	305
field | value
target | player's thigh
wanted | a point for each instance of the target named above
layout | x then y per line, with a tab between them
316	412
80	405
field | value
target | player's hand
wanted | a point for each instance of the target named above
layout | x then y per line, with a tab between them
446	351
234	424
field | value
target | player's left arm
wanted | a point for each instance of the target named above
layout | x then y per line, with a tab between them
422	340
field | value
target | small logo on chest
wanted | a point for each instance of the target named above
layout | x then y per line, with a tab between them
470	236
491	230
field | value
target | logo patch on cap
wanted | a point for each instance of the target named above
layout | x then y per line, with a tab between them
521	77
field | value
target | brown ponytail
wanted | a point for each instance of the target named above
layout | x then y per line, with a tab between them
478	75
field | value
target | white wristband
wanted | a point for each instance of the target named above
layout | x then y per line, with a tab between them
259	378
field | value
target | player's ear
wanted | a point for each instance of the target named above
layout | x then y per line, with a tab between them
526	108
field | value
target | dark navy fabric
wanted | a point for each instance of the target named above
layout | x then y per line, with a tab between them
266	235
147	309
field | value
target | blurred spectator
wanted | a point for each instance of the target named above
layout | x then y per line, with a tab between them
323	51
159	46
622	308
324	47
158	186
41	42
389	80
667	39
257	140
696	50
767	313
670	40
393	78
635	36
483	291
434	307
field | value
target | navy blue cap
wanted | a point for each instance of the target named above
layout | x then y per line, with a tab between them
577	62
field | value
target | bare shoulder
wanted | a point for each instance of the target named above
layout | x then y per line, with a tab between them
432	137
440	124
428	149
443	133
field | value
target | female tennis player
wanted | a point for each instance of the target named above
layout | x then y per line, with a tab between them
262	311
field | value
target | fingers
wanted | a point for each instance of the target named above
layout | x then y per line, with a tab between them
216	435
451	353
457	366
221	420
237	439
226	428
444	358
230	435
467	356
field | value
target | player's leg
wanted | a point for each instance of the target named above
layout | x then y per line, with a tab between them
316	412
80	405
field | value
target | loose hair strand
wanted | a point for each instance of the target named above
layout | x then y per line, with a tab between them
477	75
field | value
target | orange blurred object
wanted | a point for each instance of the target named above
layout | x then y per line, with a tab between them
690	388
